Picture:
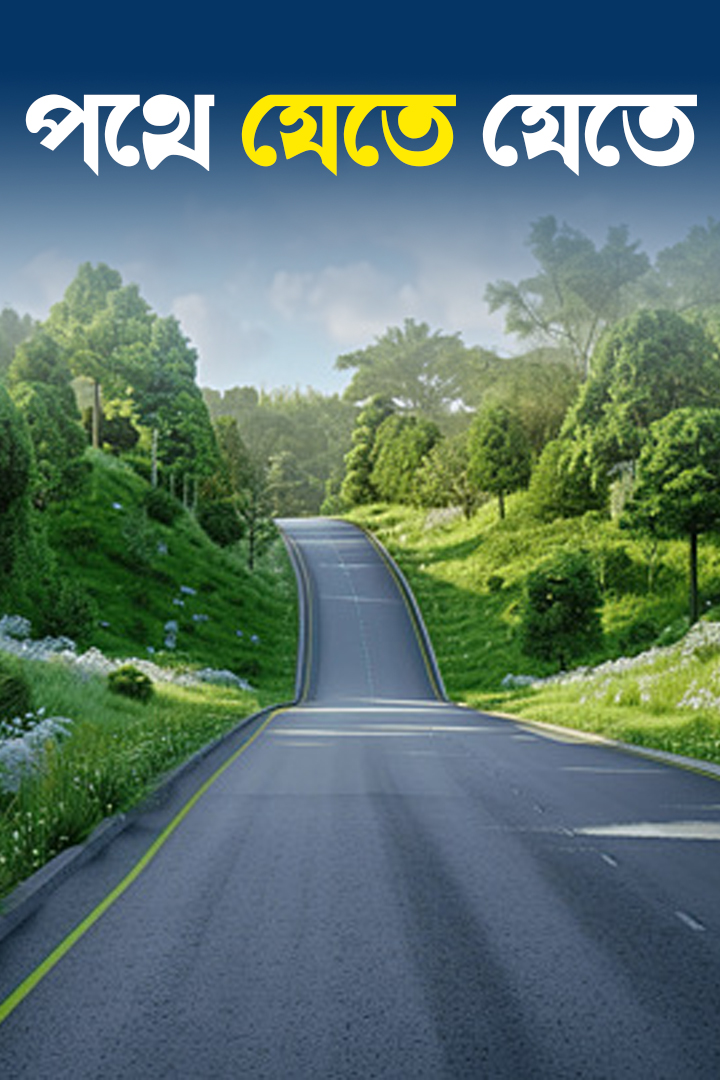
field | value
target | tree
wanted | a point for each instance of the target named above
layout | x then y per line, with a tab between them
243	479
39	382
499	452
442	478
562	483
645	367
678	483
577	292
14	329
418	371
357	487
401	445
106	328
561	608
687	275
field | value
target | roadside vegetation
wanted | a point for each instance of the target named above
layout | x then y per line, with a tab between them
648	679
554	508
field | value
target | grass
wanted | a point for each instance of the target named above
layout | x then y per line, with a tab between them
468	578
141	575
138	571
115	752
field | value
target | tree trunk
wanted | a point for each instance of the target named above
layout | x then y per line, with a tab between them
694	603
501	502
96	415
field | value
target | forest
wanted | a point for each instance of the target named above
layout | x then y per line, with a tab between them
612	408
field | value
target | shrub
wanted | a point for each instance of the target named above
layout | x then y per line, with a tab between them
220	521
162	506
560	616
131	682
15	693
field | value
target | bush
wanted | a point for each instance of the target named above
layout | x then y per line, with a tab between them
220	521
131	682
561	609
162	506
15	693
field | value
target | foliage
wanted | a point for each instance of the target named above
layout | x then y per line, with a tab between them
357	486
14	329
15	691
562	482
418	371
678	488
578	291
442	479
312	428
688	273
129	681
561	611
220	521
499	453
646	366
401	445
15	453
115	751
161	506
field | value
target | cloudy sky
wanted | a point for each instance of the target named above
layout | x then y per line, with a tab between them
273	272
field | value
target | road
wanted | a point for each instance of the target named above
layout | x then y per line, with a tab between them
382	884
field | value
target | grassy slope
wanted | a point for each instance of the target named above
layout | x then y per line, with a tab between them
468	578
118	747
134	568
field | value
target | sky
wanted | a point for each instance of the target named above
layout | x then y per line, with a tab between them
275	271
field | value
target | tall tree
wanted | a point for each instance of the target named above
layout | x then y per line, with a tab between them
401	445
687	275
577	292
500	458
14	329
419	371
106	329
644	368
678	488
357	487
39	381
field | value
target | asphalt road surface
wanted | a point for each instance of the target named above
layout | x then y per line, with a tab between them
384	885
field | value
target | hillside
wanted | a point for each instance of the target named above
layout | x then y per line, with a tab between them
469	578
166	591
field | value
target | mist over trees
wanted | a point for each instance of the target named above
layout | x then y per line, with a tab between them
615	343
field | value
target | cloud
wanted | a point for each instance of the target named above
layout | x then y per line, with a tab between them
351	303
225	340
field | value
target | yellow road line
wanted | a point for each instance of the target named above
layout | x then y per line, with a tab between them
28	985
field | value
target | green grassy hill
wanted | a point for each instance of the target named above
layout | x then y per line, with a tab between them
158	592
144	576
468	577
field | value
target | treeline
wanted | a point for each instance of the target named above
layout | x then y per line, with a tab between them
616	408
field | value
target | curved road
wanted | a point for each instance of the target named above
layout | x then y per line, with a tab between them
384	885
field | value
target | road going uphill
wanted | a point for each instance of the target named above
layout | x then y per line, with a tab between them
382	884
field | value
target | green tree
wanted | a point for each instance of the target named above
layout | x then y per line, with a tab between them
14	329
560	616
499	452
562	482
105	328
357	487
678	483
418	371
687	275
443	478
645	367
401	445
577	292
